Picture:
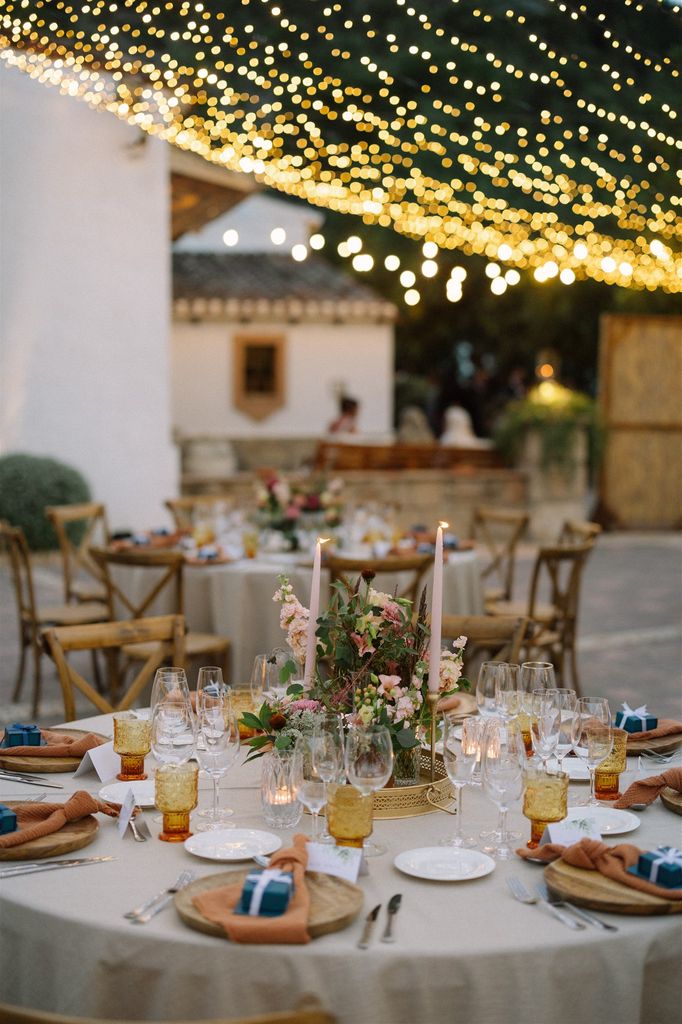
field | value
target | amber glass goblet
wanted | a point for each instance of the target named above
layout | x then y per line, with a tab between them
176	794
349	814
545	799
607	775
132	742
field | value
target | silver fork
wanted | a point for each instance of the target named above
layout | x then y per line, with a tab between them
556	901
520	893
147	910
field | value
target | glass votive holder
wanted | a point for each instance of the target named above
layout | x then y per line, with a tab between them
545	799
280	779
250	541
176	793
349	814
607	775
132	742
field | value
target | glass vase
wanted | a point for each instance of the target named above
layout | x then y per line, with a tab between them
406	764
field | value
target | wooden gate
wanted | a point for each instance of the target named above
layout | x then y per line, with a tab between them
640	364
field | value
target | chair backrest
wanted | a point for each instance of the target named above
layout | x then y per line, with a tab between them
315	1015
92	518
13	540
560	568
168	578
182	509
167	632
500	530
415	565
499	636
579	531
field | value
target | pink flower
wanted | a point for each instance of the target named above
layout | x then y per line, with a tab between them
389	686
404	709
305	705
292	512
392	613
362	644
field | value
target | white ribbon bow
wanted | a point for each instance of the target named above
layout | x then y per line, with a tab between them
264	879
670	856
640	712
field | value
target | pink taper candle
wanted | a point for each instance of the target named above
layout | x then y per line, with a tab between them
436	613
311	645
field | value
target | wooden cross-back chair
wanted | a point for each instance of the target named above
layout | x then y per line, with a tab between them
416	565
34	617
553	626
182	509
500	531
76	558
167	584
579	531
164	636
489	637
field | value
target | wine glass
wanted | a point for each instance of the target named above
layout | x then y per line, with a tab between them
508	696
460	761
485	688
170	687
312	788
266	677
592	736
567	702
328	756
369	763
545	724
211	688
502	761
217	750
536	675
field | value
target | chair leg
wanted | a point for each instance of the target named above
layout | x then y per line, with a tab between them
20	672
96	674
575	679
37	679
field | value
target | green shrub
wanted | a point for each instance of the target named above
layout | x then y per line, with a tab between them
28	483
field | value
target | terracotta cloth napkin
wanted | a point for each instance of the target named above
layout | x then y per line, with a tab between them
665	727
35	820
645	791
58	745
290	928
611	861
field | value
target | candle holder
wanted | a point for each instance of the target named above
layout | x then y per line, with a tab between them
349	814
607	775
280	780
432	699
545	800
176	794
132	742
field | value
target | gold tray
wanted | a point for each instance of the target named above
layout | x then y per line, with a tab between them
425	797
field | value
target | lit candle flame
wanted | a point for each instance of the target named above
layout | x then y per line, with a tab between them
443	525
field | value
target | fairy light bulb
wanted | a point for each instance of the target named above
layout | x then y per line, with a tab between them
407	278
278	236
392	262
231	237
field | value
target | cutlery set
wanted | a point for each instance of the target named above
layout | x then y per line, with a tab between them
28	780
33	868
570	915
392	910
151	907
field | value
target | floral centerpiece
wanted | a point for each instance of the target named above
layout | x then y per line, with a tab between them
373	662
285	504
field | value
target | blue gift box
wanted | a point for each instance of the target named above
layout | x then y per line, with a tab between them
266	893
662	866
22	736
635	720
8	820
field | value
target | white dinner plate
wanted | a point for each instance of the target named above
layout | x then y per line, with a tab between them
232	844
116	792
444	863
610	822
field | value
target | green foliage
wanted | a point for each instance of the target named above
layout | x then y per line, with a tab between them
28	483
556	415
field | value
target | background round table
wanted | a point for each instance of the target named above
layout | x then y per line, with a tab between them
463	952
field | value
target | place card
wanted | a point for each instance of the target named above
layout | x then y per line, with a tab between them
126	813
569	832
342	861
102	760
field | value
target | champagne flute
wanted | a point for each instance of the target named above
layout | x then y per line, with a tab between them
217	750
592	736
485	688
369	763
312	789
545	724
328	756
460	761
502	761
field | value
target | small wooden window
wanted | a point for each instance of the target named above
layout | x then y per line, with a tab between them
258	374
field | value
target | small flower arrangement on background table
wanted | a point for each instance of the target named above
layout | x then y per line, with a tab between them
286	505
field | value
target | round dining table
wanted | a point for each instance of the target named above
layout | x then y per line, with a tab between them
234	599
463	952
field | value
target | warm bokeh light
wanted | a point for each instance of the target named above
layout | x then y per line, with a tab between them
492	270
354	244
412	297
512	276
430	250
546	370
299	252
278	236
407	278
231	237
498	286
317	242
392	262
429	268
567	276
363	262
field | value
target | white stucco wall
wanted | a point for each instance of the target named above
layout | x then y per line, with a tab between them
84	296
320	360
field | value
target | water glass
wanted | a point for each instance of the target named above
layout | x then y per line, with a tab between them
328	756
508	696
132	741
175	795
545	799
217	749
280	779
311	788
502	760
486	688
460	759
545	724
369	763
592	736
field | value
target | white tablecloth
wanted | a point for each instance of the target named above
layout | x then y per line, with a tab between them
235	600
463	951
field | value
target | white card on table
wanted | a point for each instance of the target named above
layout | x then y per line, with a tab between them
569	832
126	812
342	861
102	760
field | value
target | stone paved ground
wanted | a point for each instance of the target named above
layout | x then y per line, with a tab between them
630	625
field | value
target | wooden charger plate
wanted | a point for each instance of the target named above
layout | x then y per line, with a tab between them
467	706
659	745
74	835
672	800
45	764
334	902
592	890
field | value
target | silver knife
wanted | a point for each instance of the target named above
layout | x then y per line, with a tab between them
369	925
28	780
566	919
31	869
147	910
393	908
556	901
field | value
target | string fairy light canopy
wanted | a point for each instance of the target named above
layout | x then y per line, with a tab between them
541	134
